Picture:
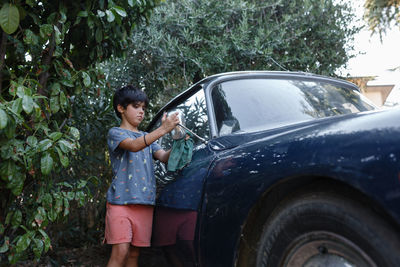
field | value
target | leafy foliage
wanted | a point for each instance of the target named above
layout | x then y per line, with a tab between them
187	40
381	13
48	51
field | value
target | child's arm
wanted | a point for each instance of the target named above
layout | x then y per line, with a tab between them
167	125
162	155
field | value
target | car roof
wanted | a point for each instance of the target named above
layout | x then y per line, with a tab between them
270	74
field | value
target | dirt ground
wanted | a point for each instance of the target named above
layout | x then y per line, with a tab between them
96	256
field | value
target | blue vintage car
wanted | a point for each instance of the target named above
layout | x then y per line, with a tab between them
296	170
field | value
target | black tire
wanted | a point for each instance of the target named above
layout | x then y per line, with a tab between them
322	229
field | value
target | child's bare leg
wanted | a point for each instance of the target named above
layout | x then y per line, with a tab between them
133	257
119	255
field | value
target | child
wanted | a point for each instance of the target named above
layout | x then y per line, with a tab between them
131	196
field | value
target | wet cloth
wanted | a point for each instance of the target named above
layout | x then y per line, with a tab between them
133	172
181	154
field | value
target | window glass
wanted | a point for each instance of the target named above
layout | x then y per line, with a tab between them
254	104
195	113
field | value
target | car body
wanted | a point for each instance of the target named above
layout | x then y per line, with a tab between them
297	169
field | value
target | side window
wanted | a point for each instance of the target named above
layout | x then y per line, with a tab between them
195	113
251	105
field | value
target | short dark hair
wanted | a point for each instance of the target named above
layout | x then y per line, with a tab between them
128	95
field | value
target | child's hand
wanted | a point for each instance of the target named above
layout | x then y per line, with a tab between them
169	122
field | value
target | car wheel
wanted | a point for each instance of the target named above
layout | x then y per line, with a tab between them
326	230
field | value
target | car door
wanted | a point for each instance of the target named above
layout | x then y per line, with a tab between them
180	193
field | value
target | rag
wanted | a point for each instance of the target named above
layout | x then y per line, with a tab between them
181	153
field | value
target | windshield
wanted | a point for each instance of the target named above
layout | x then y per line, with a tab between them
254	104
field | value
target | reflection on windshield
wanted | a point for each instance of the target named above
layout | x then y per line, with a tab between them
255	104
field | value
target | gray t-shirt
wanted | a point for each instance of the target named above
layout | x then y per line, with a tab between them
133	172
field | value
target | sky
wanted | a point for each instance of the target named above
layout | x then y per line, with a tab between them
378	56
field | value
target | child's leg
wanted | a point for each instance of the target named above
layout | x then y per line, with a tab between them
119	255
133	257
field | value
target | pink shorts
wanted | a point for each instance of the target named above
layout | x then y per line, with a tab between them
171	225
129	224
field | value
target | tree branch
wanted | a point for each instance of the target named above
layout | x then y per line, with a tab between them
46	61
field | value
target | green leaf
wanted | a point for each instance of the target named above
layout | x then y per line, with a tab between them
9	18
47	200
12	90
63	159
120	11
74	133
57	35
55	89
80	197
8	217
20	91
90	22
32	140
40	216
58	205
110	15
83	14
23	242
4	248
130	3
30	38
8	170
99	35
54	104
63	101
10	128
37	247
100	13
27	104
63	18
6	152
46	30
44	145
46	240
46	163
16	184
3	119
81	184
13	258
17	105
1	229
55	136
66	184
86	79
31	3
52	214
67	82
41	210
66	207
16	218
70	195
65	146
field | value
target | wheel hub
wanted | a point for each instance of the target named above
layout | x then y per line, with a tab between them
325	249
